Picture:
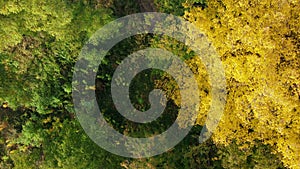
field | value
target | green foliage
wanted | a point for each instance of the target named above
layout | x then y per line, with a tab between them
29	17
190	154
187	154
178	7
63	145
171	7
259	156
40	62
28	159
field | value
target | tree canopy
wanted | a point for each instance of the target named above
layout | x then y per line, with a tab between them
258	43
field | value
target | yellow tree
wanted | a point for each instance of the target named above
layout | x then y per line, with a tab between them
259	45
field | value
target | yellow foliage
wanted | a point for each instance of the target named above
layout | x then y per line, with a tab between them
3	125
259	44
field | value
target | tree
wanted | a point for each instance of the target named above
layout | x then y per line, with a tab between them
39	60
258	42
19	18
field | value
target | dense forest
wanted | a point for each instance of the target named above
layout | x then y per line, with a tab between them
258	42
